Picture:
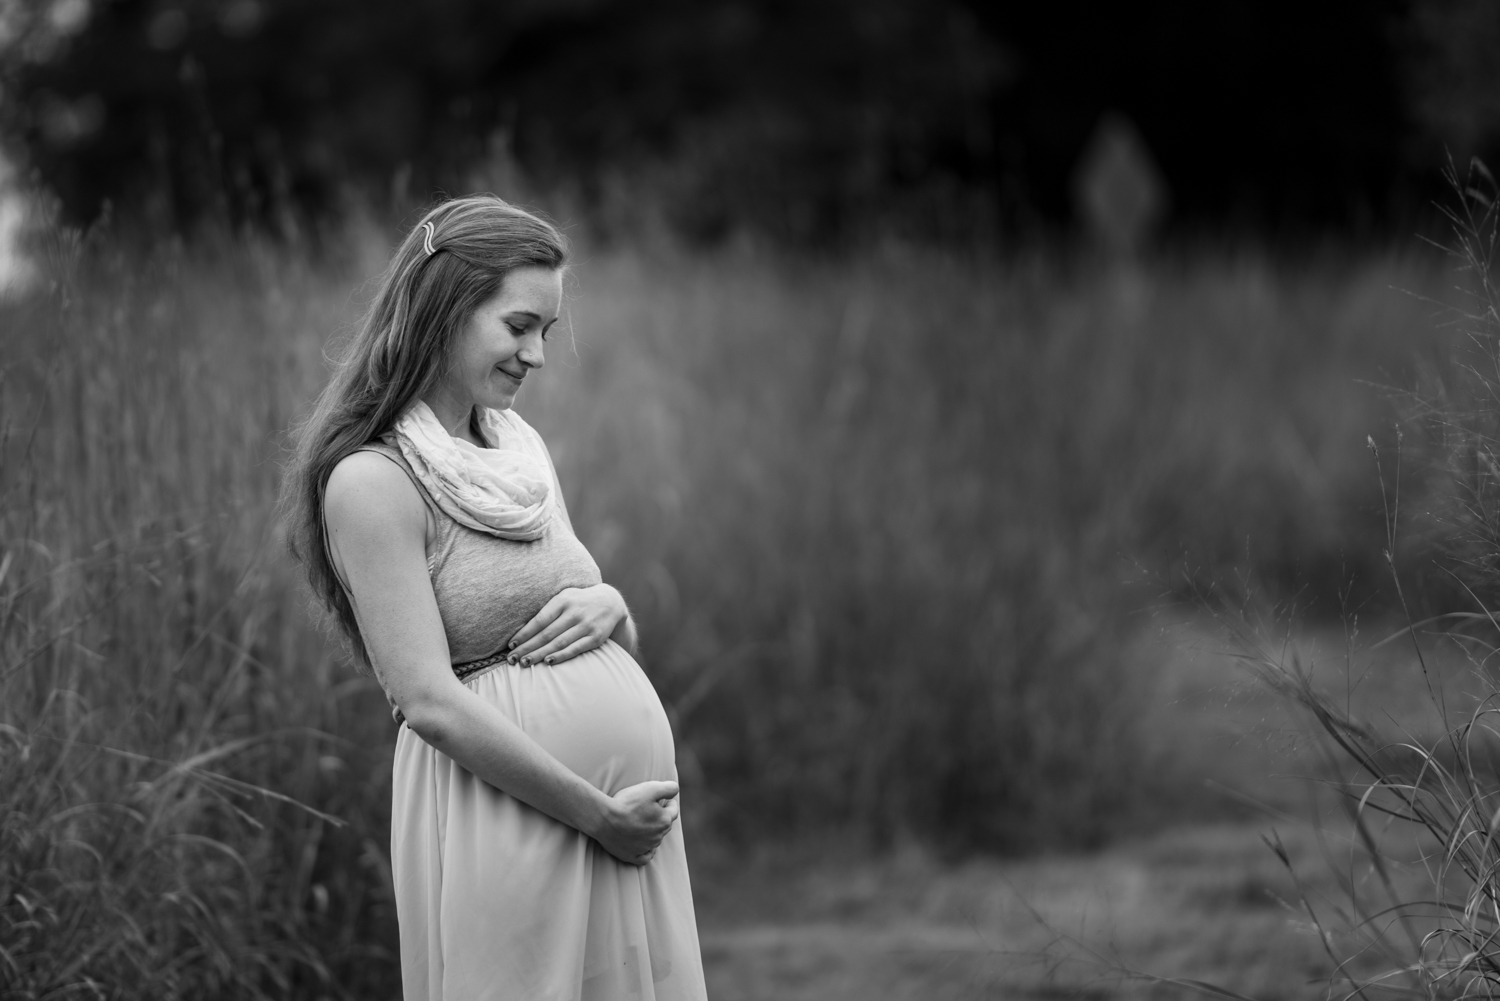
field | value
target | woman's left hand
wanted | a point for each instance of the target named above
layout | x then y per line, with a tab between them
576	620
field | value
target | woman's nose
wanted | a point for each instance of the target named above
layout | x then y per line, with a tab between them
531	353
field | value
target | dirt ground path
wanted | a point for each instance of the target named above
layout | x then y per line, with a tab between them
1202	897
1204	902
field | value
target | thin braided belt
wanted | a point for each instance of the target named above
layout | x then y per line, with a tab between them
463	672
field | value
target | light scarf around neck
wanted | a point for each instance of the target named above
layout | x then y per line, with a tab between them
505	490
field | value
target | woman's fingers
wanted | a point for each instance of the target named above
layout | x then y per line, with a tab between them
548	614
549	633
636	849
561	612
657	789
640	851
567	631
532	651
543	633
597	610
547	652
627	855
673	808
567	646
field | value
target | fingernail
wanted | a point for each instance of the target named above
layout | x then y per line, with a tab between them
511	660
511	645
549	660
525	661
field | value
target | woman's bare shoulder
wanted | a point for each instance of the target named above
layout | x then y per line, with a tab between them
368	490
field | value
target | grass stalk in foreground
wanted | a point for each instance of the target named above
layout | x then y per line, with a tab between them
1417	913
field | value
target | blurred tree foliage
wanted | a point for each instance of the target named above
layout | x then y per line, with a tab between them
1455	74
815	121
799	115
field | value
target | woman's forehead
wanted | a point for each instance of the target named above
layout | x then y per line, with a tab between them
532	290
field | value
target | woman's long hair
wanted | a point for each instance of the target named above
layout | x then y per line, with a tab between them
424	301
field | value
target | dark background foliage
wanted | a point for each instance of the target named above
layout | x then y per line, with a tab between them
817	122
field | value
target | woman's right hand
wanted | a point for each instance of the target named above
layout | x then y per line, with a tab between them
637	819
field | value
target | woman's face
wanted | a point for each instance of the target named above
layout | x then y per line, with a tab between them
502	342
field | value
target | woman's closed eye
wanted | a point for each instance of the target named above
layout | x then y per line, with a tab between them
522	330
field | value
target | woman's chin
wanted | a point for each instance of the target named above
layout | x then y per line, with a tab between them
498	401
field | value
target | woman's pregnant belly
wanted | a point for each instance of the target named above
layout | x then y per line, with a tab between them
596	713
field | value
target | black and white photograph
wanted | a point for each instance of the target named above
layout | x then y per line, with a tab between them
751	500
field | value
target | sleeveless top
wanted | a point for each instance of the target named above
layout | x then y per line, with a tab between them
487	587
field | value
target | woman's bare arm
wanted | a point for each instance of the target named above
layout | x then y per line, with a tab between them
377	529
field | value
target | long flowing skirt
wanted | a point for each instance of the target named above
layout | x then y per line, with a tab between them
496	900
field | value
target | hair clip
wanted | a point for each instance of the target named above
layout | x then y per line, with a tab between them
427	233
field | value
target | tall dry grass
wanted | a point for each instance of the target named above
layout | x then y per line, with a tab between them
164	705
873	514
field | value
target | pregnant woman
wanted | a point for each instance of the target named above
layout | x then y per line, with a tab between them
533	836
